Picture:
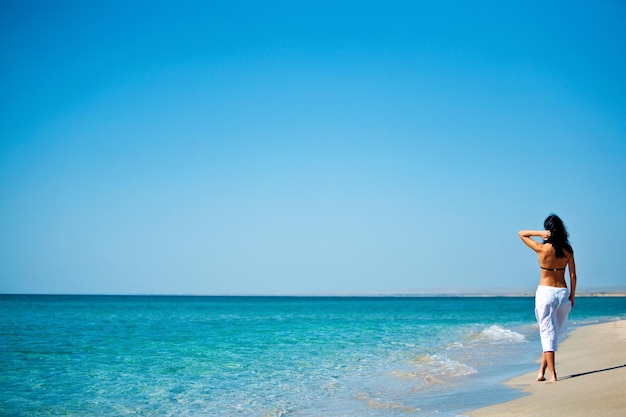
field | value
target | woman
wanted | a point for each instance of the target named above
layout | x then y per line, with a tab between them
553	301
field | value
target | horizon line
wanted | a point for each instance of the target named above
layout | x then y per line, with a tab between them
605	292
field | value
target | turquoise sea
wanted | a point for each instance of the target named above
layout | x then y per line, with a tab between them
267	356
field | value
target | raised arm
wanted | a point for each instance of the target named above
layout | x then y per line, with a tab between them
526	236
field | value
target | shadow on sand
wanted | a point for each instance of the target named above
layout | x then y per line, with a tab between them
592	372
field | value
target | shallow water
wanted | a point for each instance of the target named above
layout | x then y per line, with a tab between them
267	356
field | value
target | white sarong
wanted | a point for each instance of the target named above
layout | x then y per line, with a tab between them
552	305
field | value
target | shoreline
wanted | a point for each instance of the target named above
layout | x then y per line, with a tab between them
592	381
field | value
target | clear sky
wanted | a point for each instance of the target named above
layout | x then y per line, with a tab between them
247	147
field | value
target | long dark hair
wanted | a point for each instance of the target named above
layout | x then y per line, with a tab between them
558	235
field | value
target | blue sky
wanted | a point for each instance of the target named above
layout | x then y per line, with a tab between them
238	147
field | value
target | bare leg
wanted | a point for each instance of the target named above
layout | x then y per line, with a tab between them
549	357
542	370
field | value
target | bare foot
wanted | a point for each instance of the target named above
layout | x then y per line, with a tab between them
540	377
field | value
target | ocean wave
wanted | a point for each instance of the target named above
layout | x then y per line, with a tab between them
497	334
454	368
448	367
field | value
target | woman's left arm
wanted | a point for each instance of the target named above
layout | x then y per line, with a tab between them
571	265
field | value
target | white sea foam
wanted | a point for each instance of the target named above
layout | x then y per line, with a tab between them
499	334
455	345
448	367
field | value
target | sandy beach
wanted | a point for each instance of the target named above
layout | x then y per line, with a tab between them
591	367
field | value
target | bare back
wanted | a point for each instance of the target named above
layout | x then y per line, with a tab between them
552	268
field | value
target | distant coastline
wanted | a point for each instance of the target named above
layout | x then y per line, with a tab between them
618	292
